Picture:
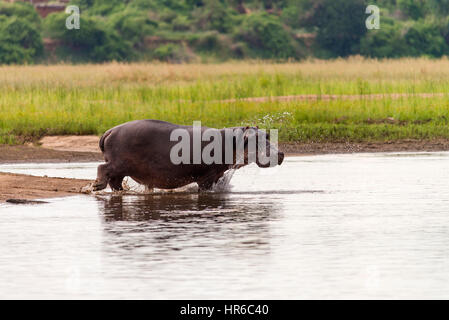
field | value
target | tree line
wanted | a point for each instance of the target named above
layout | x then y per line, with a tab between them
218	30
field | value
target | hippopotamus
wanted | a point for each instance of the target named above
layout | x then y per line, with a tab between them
143	150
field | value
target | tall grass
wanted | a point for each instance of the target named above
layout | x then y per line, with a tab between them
89	99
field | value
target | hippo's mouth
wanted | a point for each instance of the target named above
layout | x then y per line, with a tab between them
280	159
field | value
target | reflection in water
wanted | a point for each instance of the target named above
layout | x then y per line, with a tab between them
152	225
187	207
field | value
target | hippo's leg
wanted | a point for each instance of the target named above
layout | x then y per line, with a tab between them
102	177
205	185
116	183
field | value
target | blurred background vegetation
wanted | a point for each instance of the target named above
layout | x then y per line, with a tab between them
220	30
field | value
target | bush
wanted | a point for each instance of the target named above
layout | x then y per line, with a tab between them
92	40
133	25
439	7
23	11
208	41
213	16
291	14
20	42
106	7
386	42
166	52
171	52
219	46
266	36
424	38
83	4
143	4
414	9
340	24
181	23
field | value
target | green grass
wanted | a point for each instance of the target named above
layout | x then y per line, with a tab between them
59	100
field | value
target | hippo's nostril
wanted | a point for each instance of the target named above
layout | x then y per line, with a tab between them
280	158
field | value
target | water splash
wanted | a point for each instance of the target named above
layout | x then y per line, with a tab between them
131	187
224	183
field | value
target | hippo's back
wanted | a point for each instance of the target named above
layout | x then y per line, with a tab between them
137	134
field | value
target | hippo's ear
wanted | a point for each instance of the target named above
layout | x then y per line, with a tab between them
250	133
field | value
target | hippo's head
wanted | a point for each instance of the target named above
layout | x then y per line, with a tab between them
257	148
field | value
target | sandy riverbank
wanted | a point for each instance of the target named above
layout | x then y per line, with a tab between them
18	186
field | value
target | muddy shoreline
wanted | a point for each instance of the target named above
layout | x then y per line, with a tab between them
24	154
43	154
25	187
408	145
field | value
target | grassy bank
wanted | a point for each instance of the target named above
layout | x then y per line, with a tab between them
88	99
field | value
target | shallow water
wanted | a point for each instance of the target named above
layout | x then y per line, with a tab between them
333	226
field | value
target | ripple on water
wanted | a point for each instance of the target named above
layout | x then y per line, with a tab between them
349	226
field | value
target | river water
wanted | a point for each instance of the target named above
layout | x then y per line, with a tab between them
329	226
